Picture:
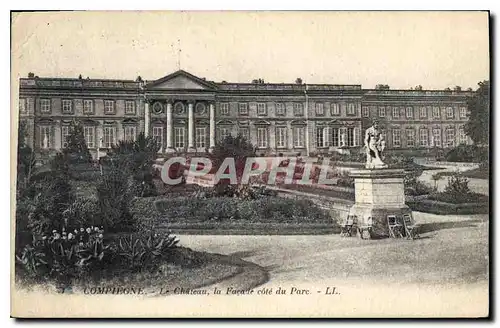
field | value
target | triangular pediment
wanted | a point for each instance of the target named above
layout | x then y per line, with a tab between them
181	80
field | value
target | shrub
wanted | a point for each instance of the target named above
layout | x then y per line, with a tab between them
51	197
457	192
467	153
62	255
114	199
263	209
444	208
84	211
143	252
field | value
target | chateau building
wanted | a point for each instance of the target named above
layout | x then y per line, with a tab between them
189	114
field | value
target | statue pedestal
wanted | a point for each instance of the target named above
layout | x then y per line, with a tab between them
379	193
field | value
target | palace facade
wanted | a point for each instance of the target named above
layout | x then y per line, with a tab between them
189	114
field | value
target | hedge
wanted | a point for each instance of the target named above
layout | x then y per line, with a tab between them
224	209
442	208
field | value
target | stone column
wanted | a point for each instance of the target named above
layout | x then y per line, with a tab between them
147	118
212	126
191	127
170	148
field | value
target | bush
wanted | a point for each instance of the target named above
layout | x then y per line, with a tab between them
63	256
51	197
442	208
467	153
457	192
263	209
114	197
83	212
143	252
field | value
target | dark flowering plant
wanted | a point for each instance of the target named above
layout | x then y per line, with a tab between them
64	255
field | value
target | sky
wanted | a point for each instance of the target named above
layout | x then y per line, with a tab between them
401	49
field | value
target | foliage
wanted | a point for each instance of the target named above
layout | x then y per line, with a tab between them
114	199
144	251
84	211
468	153
25	159
64	255
223	209
76	150
445	208
457	192
457	185
51	196
135	155
478	124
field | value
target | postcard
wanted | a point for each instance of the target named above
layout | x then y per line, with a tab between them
250	164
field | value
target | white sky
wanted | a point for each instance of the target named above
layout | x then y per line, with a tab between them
402	49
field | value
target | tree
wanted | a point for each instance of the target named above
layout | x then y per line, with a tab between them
25	158
238	148
478	125
77	151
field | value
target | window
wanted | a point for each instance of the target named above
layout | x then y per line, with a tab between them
129	133
435	112
281	140
450	137
67	106
395	112
88	106
351	109
449	112
463	112
109	106
22	105
129	107
224	132
280	109
409	112
45	132
322	137
410	138
262	137
423	112
109	136
158	134
89	135
201	137
298	136
224	109
45	105
424	137
351	137
381	111
244	133
343	137
366	111
320	109
335	137
335	109
179	137
436	136
462	136
243	107
64	135
298	109
396	138
261	109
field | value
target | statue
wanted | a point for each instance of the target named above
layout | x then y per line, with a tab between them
375	145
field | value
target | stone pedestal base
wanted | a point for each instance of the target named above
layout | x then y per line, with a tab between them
379	193
372	219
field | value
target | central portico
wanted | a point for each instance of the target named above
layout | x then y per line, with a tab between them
177	103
